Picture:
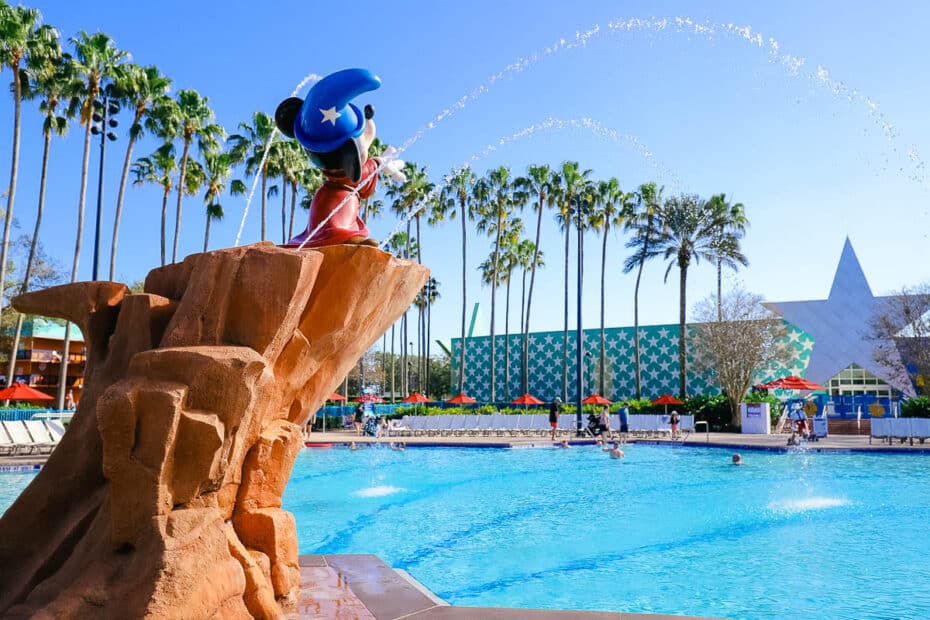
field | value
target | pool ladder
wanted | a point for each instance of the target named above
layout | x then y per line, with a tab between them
706	428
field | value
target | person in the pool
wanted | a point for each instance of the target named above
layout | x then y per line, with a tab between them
737	459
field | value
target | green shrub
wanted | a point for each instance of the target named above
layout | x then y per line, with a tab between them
918	407
711	408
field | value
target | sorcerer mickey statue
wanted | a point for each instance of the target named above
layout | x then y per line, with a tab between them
337	136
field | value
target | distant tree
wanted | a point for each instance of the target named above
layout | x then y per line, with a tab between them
900	329
739	347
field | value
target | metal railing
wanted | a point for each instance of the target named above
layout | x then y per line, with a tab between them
706	428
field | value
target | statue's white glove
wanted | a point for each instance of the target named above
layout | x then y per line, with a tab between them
392	166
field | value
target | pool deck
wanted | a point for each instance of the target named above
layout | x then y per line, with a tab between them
364	587
735	441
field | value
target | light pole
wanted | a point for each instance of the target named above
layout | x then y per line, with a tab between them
579	210
103	110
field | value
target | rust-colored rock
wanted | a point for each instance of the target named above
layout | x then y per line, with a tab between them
163	499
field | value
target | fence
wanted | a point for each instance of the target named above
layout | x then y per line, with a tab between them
15	415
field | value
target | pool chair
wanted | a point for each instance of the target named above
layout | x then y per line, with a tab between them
539	424
428	424
900	429
567	424
920	429
500	424
455	425
469	425
397	428
23	443
40	435
483	425
56	429
7	445
419	425
880	429
441	424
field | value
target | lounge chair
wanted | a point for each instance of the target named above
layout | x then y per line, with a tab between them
7	445
40	435
920	429
469	424
538	424
900	429
880	429
396	428
483	424
455	425
23	443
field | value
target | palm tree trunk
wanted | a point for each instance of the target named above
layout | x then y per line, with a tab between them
507	342
127	161
393	358
11	191
405	367
264	198
682	344
32	254
290	226
206	233
601	383
719	290
639	274
283	210
464	297
529	300
494	279
429	332
177	217
82	196
523	382
565	329
420	323
164	223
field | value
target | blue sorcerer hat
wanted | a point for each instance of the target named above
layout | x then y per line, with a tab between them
326	118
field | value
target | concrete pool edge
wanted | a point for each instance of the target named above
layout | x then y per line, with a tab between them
391	594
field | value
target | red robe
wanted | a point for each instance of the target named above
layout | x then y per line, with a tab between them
346	223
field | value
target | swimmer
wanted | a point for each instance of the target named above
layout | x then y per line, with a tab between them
352	446
737	459
564	444
616	452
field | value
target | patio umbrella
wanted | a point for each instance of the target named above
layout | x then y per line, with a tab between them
416	397
792	382
526	399
335	396
21	391
462	399
595	399
667	399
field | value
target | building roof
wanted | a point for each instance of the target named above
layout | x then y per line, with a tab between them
43	328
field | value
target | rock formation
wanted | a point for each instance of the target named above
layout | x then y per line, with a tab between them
163	499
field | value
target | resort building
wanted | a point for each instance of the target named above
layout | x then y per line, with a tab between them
38	360
828	339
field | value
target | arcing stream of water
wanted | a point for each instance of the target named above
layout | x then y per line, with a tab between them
792	64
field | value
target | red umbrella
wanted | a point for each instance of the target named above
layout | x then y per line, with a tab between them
792	382
667	399
462	399
595	399
335	396
21	391
416	397
527	399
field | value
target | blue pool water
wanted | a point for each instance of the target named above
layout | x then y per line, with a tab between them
666	530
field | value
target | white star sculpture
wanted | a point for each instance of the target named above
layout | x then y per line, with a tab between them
839	325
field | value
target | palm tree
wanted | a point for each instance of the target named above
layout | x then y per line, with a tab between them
50	74
250	147
95	59
455	194
691	232
539	182
497	200
612	208
193	121
643	224
429	296
217	168
19	34
510	260
158	168
734	221
140	87
399	245
528	258
569	183
375	149
310	180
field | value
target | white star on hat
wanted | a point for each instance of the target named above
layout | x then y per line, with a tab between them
330	115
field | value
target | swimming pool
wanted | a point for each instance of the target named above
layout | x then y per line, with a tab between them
666	530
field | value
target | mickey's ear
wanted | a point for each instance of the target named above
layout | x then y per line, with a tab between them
286	113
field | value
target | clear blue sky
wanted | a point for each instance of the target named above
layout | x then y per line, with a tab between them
716	112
